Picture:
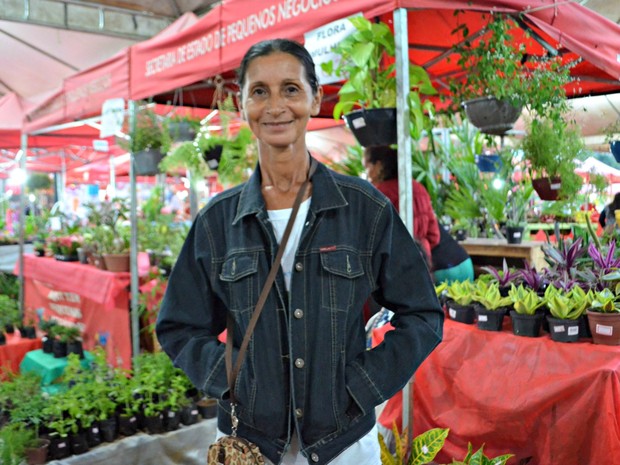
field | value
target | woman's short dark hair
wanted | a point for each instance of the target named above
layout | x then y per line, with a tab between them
267	47
387	155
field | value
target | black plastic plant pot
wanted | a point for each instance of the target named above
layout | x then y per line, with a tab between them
181	131
127	425
461	313
213	156
514	234
584	327
59	447
108	429
526	325
189	414
93	435
146	162
75	347
490	320
154	424
47	344
172	420
373	126
563	330
78	443
59	348
490	115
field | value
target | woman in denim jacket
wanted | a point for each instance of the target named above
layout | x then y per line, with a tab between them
308	387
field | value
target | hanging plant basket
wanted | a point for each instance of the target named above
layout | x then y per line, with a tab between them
547	188
491	116
614	146
212	156
181	131
374	126
146	162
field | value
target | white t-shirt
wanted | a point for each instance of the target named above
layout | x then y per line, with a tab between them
278	219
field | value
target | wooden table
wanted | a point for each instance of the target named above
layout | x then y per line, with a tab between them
498	249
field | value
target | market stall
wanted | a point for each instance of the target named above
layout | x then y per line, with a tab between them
544	401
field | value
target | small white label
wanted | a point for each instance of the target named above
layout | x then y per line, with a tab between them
172	414
194	412
556	186
517	234
132	419
452	313
61	445
359	123
573	330
95	430
558	329
483	318
604	330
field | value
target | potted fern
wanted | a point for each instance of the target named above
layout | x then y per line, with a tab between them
552	148
368	97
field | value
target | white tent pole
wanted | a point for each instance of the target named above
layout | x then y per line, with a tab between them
405	192
22	219
135	318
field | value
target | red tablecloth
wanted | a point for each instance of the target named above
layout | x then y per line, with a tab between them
558	403
15	349
82	295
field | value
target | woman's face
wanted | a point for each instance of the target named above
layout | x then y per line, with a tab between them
277	99
373	170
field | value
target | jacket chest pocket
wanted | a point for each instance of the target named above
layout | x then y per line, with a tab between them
239	275
341	270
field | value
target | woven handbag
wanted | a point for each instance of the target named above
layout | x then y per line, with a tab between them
233	450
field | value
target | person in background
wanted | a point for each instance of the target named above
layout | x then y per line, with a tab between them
451	262
308	388
608	218
381	164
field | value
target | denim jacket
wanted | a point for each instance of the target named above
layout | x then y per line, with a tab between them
307	368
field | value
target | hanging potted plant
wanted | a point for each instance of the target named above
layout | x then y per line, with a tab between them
552	148
148	142
500	78
183	128
217	148
367	64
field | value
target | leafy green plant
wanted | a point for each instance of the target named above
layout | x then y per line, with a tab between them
497	65
552	149
478	458
367	64
567	305
605	301
525	301
488	295
461	292
150	132
14	439
517	205
422	450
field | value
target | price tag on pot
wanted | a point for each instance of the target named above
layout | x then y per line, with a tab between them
483	318
558	329
573	330
452	313
604	330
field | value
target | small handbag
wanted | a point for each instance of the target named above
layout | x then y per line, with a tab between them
233	450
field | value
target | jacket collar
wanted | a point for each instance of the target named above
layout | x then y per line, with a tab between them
326	194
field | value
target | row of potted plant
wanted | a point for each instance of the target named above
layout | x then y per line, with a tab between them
97	405
573	286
